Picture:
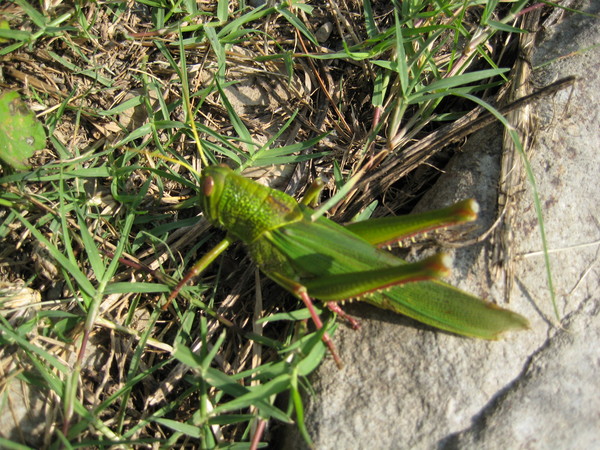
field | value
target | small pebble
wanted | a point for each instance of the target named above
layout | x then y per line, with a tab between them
324	31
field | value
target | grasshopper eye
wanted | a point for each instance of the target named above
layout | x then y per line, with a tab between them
208	185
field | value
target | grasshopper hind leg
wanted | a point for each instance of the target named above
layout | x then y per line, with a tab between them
319	324
300	291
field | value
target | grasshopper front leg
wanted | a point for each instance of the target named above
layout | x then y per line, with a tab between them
199	267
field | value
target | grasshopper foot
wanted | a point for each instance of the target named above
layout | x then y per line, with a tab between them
334	307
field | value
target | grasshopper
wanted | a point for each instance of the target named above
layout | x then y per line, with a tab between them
320	259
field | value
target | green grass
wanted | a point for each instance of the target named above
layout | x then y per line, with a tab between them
105	220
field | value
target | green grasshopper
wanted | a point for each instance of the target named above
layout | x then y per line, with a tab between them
320	259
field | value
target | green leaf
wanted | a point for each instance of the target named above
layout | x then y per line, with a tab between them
20	132
6	34
505	27
185	428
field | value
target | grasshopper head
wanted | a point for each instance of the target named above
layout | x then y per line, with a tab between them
212	183
244	208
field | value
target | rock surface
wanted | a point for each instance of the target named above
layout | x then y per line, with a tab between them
408	386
